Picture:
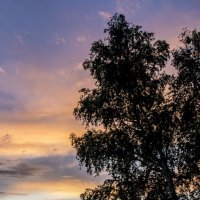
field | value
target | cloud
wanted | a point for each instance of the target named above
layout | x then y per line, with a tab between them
85	83
2	71
105	15
20	38
21	170
20	150
72	164
9	102
7	138
68	187
79	67
63	72
58	39
50	168
14	194
57	176
81	39
38	96
129	7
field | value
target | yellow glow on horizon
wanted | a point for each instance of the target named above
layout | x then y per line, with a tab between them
72	187
36	140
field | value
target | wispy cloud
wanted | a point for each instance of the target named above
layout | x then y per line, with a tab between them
21	170
105	15
62	72
7	138
20	38
2	71
129	7
9	102
14	194
79	67
87	82
72	164
81	39
58	39
61	174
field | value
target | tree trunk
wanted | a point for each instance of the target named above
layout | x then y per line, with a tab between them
167	174
170	186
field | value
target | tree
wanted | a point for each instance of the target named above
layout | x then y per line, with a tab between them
142	124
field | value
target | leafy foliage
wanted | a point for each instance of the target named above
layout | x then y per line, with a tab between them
146	133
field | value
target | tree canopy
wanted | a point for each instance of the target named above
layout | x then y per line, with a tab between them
142	125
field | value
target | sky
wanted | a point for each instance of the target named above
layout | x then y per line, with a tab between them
42	46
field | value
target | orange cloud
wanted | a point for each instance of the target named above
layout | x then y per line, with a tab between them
35	140
63	188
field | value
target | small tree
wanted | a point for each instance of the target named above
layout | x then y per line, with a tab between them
147	123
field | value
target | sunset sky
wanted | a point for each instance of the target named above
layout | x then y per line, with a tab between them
42	46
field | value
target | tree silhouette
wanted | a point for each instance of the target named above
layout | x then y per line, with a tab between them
142	124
